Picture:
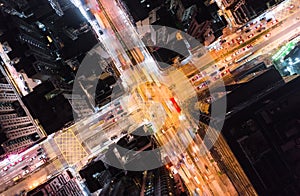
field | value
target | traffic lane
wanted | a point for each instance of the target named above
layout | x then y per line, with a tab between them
190	166
104	116
288	25
207	61
108	130
130	38
30	182
17	170
271	39
275	37
101	116
253	31
293	15
12	169
210	171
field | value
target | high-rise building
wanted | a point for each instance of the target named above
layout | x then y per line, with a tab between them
33	47
238	12
53	103
18	128
38	46
262	130
199	27
161	182
64	183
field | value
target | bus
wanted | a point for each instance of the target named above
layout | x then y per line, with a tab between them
176	106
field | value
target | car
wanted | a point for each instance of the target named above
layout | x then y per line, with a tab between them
274	22
21	159
225	72
201	86
241	41
117	103
196	77
259	30
26	170
32	158
262	19
236	53
114	137
5	168
25	167
232	42
124	114
222	41
239	38
249	46
39	153
42	157
247	30
252	23
217	77
110	117
230	63
213	74
221	69
251	35
124	132
17	178
120	111
268	35
258	26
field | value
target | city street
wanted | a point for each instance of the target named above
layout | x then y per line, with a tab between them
34	179
175	131
277	36
151	97
15	171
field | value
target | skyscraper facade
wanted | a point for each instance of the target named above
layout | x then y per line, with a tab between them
18	128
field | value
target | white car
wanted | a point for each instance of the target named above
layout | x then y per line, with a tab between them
25	172
5	168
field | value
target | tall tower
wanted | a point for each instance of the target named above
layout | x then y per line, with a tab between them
18	129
